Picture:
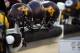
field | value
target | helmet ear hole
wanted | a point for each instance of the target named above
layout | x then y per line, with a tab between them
10	39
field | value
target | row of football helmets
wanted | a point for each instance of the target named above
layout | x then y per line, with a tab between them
37	15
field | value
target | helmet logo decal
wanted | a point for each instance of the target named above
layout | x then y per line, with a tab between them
69	3
51	10
23	9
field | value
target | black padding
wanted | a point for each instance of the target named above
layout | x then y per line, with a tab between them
2	43
42	34
2	46
76	21
68	29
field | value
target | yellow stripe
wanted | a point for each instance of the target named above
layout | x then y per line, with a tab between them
2	20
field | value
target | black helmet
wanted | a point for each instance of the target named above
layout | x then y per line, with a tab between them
70	9
14	9
36	11
71	3
17	12
52	11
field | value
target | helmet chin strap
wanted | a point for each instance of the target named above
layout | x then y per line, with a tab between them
61	5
